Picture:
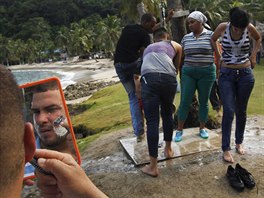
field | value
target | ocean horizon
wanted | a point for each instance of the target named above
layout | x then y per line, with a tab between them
27	76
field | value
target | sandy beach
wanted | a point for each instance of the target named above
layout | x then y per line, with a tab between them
78	71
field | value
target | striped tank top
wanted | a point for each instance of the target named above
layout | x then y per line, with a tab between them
235	51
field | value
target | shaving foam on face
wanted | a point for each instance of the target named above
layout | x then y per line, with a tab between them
58	128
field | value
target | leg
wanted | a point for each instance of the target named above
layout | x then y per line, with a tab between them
219	114
188	87
244	89
214	99
152	168
228	157
168	152
151	102
204	86
167	97
127	79
206	80
227	89
135	110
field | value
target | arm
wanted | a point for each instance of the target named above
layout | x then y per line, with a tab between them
68	180
178	57
137	85
168	18
254	34
215	44
181	64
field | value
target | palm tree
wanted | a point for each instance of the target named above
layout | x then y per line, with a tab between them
254	7
62	38
32	51
80	39
134	9
216	11
16	48
129	9
178	25
3	50
108	33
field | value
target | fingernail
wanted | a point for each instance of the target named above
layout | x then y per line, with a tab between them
41	161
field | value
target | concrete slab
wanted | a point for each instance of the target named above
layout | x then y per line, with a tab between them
190	144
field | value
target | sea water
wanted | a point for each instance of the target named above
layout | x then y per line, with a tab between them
27	76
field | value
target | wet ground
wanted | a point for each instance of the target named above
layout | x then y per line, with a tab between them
196	175
191	143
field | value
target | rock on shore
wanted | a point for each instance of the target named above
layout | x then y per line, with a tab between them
84	89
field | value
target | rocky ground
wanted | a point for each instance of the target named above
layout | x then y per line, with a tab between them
194	176
80	90
198	175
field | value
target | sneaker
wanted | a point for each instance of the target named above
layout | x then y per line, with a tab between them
141	137
245	176
234	179
203	134
178	136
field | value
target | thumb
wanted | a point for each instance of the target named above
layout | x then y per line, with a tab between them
58	168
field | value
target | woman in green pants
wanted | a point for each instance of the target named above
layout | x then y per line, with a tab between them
198	72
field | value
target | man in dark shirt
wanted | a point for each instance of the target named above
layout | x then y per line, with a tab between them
132	42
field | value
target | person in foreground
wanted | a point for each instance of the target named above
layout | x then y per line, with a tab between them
17	146
158	88
198	72
69	180
236	79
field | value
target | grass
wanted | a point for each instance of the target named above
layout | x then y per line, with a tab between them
108	109
256	101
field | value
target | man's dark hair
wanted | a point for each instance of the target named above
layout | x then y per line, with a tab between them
158	33
238	17
11	129
51	85
146	18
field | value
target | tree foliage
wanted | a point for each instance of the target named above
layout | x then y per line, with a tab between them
37	30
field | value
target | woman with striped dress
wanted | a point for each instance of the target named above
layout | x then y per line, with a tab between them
236	80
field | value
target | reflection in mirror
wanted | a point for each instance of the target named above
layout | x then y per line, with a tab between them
46	109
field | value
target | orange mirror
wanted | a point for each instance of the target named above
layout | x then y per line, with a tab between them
46	109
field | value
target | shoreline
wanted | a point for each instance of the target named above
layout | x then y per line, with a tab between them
100	70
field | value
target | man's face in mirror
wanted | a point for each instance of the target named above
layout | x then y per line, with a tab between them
47	107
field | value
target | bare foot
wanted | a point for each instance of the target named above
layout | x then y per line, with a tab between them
168	153
153	172
228	157
240	149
